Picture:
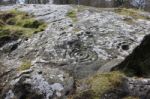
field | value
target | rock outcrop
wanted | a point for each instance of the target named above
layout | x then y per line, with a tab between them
137	63
77	43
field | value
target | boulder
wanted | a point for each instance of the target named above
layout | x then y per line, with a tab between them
39	82
137	63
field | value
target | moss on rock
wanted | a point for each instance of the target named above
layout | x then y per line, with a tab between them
19	23
26	64
98	84
72	14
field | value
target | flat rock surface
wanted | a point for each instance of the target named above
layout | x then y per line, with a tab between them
75	46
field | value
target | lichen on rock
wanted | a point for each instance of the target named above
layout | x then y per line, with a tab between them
69	51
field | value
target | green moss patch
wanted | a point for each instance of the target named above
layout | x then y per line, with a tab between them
25	65
72	14
19	23
98	84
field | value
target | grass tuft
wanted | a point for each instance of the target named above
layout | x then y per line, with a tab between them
19	23
98	84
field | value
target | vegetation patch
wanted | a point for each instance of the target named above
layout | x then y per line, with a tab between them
131	97
129	20
19	24
98	84
134	13
72	14
26	64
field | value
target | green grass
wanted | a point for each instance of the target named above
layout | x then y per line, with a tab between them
19	23
25	65
134	13
72	14
99	84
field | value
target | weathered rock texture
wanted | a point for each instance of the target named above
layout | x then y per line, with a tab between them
77	43
138	63
138	87
133	87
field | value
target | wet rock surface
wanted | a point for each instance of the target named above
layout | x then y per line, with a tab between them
74	45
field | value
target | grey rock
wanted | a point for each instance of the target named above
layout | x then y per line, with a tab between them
134	87
96	38
108	66
137	63
138	87
39	82
68	49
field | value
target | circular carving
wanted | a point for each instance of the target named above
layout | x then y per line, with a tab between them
84	56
